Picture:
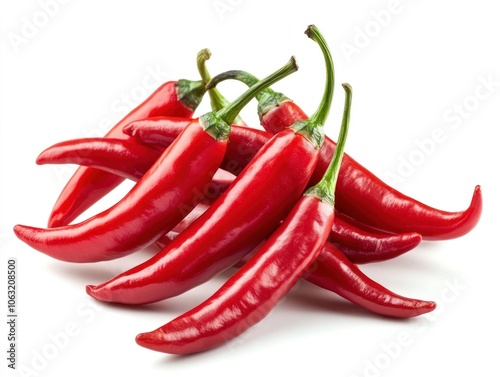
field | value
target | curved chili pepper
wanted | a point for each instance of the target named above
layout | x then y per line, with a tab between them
255	289
156	203
333	271
364	246
131	159
160	199
360	194
243	216
243	145
87	185
124	158
231	227
360	243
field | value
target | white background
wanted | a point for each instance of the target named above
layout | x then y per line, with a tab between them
410	64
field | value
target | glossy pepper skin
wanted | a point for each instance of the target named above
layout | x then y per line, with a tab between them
88	185
131	159
234	224
243	145
364	197
333	271
360	243
121	157
243	216
125	158
159	201
360	194
255	289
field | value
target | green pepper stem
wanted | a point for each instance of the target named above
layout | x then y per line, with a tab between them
245	77
217	100
190	93
323	110
268	99
325	188
312	129
229	113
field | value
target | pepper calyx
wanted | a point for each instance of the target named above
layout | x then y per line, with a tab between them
269	99
311	130
215	126
190	93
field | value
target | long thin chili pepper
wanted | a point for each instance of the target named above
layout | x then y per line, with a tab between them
111	153
160	199
121	157
243	216
125	158
358	245
87	185
361	243
364	246
255	289
244	142
131	160
360	194
333	271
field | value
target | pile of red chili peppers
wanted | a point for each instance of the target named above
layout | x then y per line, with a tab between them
278	203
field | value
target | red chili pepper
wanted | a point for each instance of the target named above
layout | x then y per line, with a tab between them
156	203
333	271
360	194
124	158
244	143
131	159
254	290
360	243
259	198
364	246
86	186
160	199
